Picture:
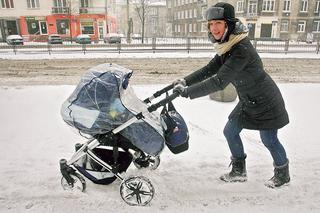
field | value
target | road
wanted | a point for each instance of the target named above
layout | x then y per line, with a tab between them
146	70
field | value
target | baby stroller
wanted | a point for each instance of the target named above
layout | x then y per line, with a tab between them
121	129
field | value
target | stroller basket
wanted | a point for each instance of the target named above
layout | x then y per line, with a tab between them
95	172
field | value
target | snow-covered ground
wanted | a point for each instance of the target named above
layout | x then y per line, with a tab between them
34	138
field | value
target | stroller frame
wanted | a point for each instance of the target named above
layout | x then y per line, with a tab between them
135	190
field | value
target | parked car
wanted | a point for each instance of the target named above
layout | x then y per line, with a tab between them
83	39
14	40
54	39
112	38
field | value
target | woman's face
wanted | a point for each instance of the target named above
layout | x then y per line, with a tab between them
217	28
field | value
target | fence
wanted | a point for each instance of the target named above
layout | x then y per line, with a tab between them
157	44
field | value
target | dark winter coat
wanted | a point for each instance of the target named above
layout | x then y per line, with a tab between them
261	105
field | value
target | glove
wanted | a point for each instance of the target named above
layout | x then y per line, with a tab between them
181	89
180	81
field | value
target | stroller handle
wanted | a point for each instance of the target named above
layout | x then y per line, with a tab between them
158	93
163	102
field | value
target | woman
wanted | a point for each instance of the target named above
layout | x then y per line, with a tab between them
261	106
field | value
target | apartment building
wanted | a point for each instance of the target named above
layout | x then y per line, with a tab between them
185	18
155	17
36	19
285	19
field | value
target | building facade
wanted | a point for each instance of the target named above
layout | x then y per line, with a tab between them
284	19
155	17
185	18
36	19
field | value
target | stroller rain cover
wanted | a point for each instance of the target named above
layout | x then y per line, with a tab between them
104	100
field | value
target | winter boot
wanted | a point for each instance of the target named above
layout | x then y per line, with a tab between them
281	176
238	172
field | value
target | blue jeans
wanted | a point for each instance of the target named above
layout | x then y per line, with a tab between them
268	137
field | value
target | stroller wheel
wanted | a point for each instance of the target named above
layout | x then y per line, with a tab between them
147	162
78	184
136	191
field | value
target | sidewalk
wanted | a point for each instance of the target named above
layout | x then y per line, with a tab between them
180	54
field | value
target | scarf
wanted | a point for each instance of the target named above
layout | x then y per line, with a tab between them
233	39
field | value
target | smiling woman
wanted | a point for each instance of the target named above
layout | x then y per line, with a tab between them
260	107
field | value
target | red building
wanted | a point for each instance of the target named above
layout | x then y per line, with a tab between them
37	28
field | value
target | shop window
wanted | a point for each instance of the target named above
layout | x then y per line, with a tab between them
33	26
63	26
87	28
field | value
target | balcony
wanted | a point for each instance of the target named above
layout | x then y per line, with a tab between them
60	10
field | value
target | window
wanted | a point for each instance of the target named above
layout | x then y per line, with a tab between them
252	7
87	27
190	28
154	25
316	26
317	7
304	6
239	8
194	13
33	26
60	3
301	26
7	4
63	26
268	5
204	27
287	5
153	11
33	3
203	12
43	28
84	3
284	26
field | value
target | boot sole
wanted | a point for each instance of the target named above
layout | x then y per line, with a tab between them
238	179
276	187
